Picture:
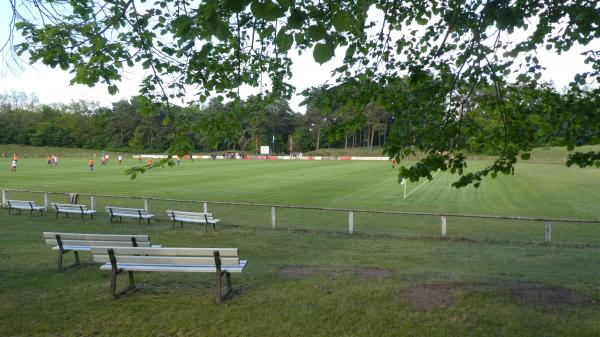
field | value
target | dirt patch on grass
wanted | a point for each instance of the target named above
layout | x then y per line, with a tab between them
548	297
429	296
298	272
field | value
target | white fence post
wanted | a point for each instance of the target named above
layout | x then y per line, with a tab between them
147	205
46	200
547	232
92	202
444	222
350	222
273	217
205	207
3	198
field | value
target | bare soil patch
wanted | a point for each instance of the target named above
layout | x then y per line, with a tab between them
429	296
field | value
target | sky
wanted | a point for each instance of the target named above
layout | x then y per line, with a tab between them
52	85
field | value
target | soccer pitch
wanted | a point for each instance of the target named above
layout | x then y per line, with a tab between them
491	278
537	189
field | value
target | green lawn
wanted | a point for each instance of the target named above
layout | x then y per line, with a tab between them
306	277
351	286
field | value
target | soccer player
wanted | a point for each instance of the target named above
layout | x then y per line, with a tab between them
13	166
149	163
91	163
120	159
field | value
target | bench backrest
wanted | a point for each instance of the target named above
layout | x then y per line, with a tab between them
170	256
97	240
123	210
21	203
189	215
70	207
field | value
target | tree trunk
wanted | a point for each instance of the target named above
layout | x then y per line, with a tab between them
318	137
372	137
346	141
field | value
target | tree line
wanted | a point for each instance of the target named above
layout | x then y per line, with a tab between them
400	111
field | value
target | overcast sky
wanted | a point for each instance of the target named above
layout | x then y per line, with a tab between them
52	85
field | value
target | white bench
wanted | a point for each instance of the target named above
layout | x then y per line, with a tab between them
137	213
221	261
74	209
202	218
80	242
24	205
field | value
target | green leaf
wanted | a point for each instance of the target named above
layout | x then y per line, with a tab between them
570	147
323	52
112	89
296	19
525	156
342	21
284	41
266	10
316	33
235	5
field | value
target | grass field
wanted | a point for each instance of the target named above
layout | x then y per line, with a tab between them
307	278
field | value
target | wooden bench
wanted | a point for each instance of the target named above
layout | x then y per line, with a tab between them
24	205
140	214
74	209
80	242
202	218
221	261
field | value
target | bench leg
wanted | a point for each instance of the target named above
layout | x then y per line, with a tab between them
148	220
60	260
221	295
113	283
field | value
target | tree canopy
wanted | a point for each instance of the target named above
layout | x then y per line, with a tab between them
442	68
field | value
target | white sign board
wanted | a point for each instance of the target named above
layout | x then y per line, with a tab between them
264	149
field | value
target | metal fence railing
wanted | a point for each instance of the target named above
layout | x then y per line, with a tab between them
343	220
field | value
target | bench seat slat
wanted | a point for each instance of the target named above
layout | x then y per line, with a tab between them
169	260
134	215
97	237
188	213
90	243
89	248
202	220
171	268
223	252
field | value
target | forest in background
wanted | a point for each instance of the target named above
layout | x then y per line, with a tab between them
331	120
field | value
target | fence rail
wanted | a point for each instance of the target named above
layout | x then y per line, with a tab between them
352	213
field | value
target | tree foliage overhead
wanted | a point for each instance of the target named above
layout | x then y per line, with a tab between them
445	52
